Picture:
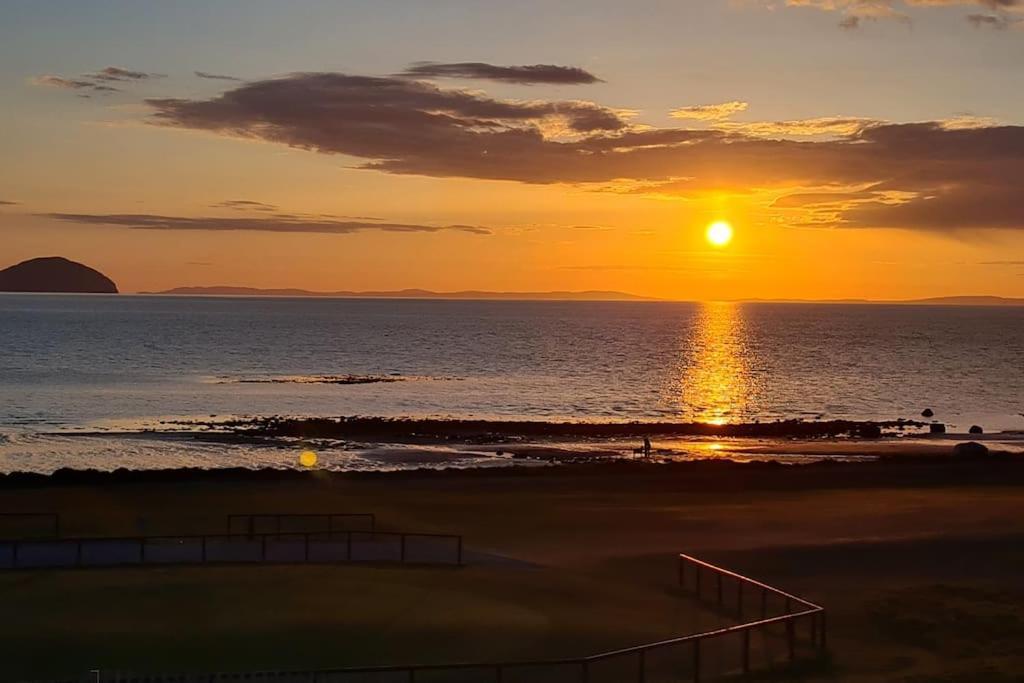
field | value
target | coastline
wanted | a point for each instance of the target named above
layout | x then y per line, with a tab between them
391	445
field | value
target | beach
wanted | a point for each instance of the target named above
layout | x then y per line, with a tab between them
915	560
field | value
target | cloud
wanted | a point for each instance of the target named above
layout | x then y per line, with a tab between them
825	125
281	224
377	117
937	175
244	205
709	112
8	202
523	75
854	12
116	73
215	77
98	82
992	21
72	84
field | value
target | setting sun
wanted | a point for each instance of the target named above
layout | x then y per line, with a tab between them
719	233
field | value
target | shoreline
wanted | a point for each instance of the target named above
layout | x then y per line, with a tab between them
821	472
358	444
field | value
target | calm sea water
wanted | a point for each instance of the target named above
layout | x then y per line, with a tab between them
71	362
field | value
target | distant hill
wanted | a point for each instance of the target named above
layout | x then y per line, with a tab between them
55	274
590	295
971	301
932	301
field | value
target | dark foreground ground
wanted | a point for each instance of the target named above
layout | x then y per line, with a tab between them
918	562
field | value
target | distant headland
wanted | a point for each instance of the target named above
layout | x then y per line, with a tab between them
589	295
55	274
558	295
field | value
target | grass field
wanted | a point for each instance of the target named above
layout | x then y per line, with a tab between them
918	567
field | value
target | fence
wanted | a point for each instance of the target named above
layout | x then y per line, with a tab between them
302	547
726	652
285	521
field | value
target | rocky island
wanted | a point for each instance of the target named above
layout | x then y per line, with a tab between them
55	274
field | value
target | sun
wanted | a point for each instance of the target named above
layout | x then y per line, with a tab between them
719	233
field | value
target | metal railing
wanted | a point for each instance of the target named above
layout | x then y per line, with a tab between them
674	659
298	547
251	521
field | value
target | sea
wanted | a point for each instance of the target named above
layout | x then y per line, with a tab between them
94	381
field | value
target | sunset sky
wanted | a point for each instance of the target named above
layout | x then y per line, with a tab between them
870	148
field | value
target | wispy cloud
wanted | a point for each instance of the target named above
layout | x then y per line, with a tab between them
278	224
215	77
523	75
244	205
97	82
116	73
709	112
853	13
73	84
8	202
825	125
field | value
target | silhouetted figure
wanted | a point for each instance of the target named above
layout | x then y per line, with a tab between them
647	447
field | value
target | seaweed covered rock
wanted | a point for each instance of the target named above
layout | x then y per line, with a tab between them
970	449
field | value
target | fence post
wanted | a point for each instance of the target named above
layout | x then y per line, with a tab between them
764	603
585	671
718	575
822	642
641	674
739	599
696	580
682	572
746	651
499	674
791	639
696	661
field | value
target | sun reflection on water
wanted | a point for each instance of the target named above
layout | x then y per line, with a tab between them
716	384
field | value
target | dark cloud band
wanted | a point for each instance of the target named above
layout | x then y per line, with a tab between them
921	175
280	223
523	75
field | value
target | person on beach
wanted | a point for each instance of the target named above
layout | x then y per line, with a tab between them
647	447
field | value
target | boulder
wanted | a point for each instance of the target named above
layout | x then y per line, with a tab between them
970	449
869	431
937	428
976	429
927	412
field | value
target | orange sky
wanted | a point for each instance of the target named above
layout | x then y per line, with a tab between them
594	161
